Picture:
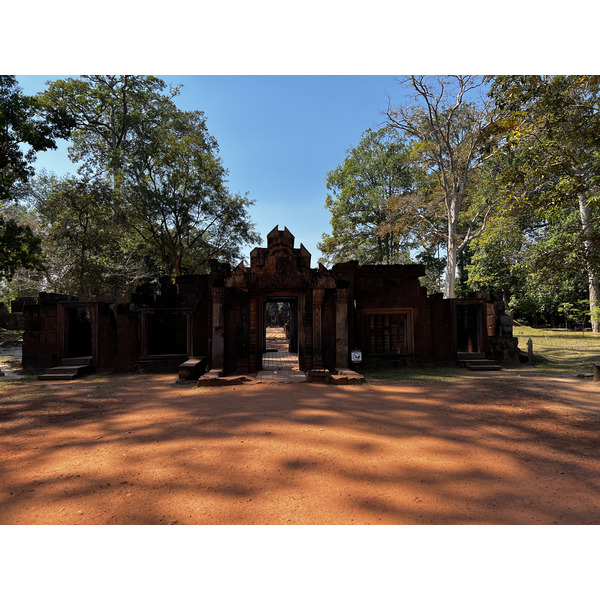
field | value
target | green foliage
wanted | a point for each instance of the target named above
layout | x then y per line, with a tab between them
108	112
26	127
174	185
577	313
551	141
552	135
19	247
85	254
434	265
365	191
167	197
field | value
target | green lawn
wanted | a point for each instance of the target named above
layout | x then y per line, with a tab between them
412	374
560	350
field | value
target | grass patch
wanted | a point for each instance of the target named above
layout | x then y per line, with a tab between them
560	350
10	335
412	374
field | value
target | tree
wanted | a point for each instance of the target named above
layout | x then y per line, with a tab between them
363	192
168	183
25	129
178	201
449	130
551	137
107	112
84	253
19	247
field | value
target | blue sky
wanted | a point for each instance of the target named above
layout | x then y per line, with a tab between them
278	136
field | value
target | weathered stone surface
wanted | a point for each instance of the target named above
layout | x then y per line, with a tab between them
211	380
192	368
352	377
317	376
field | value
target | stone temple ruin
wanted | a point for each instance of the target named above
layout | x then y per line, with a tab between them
335	322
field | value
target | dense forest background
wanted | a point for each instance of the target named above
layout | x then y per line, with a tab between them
491	182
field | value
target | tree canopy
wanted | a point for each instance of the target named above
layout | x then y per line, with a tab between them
364	191
26	128
150	197
504	189
551	143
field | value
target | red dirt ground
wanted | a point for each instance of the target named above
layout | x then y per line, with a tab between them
493	448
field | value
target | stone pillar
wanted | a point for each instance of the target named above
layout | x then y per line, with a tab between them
318	295
341	329
218	330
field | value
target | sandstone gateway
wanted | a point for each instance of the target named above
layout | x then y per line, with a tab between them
220	320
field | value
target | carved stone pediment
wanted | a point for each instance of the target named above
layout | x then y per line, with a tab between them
280	265
239	277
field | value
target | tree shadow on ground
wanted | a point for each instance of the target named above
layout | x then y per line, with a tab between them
498	449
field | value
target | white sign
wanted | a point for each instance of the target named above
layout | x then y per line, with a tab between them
356	356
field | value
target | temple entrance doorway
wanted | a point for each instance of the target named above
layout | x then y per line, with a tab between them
469	327
78	342
78	322
280	333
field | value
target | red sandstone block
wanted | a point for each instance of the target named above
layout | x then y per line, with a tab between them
49	336
338	380
50	323
317	376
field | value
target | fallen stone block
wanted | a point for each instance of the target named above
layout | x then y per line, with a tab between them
352	377
213	380
192	368
317	376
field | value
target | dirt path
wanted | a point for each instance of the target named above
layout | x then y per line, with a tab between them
501	448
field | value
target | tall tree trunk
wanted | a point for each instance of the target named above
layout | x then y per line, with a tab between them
590	252
452	247
451	267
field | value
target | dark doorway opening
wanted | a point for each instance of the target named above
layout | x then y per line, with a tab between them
79	332
468	317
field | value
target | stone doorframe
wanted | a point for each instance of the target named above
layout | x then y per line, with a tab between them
61	326
296	297
482	338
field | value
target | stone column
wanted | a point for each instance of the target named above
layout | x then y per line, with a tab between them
218	330
318	295
341	329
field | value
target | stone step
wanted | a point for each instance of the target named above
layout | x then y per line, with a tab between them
483	365
470	356
480	361
65	372
81	360
56	376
